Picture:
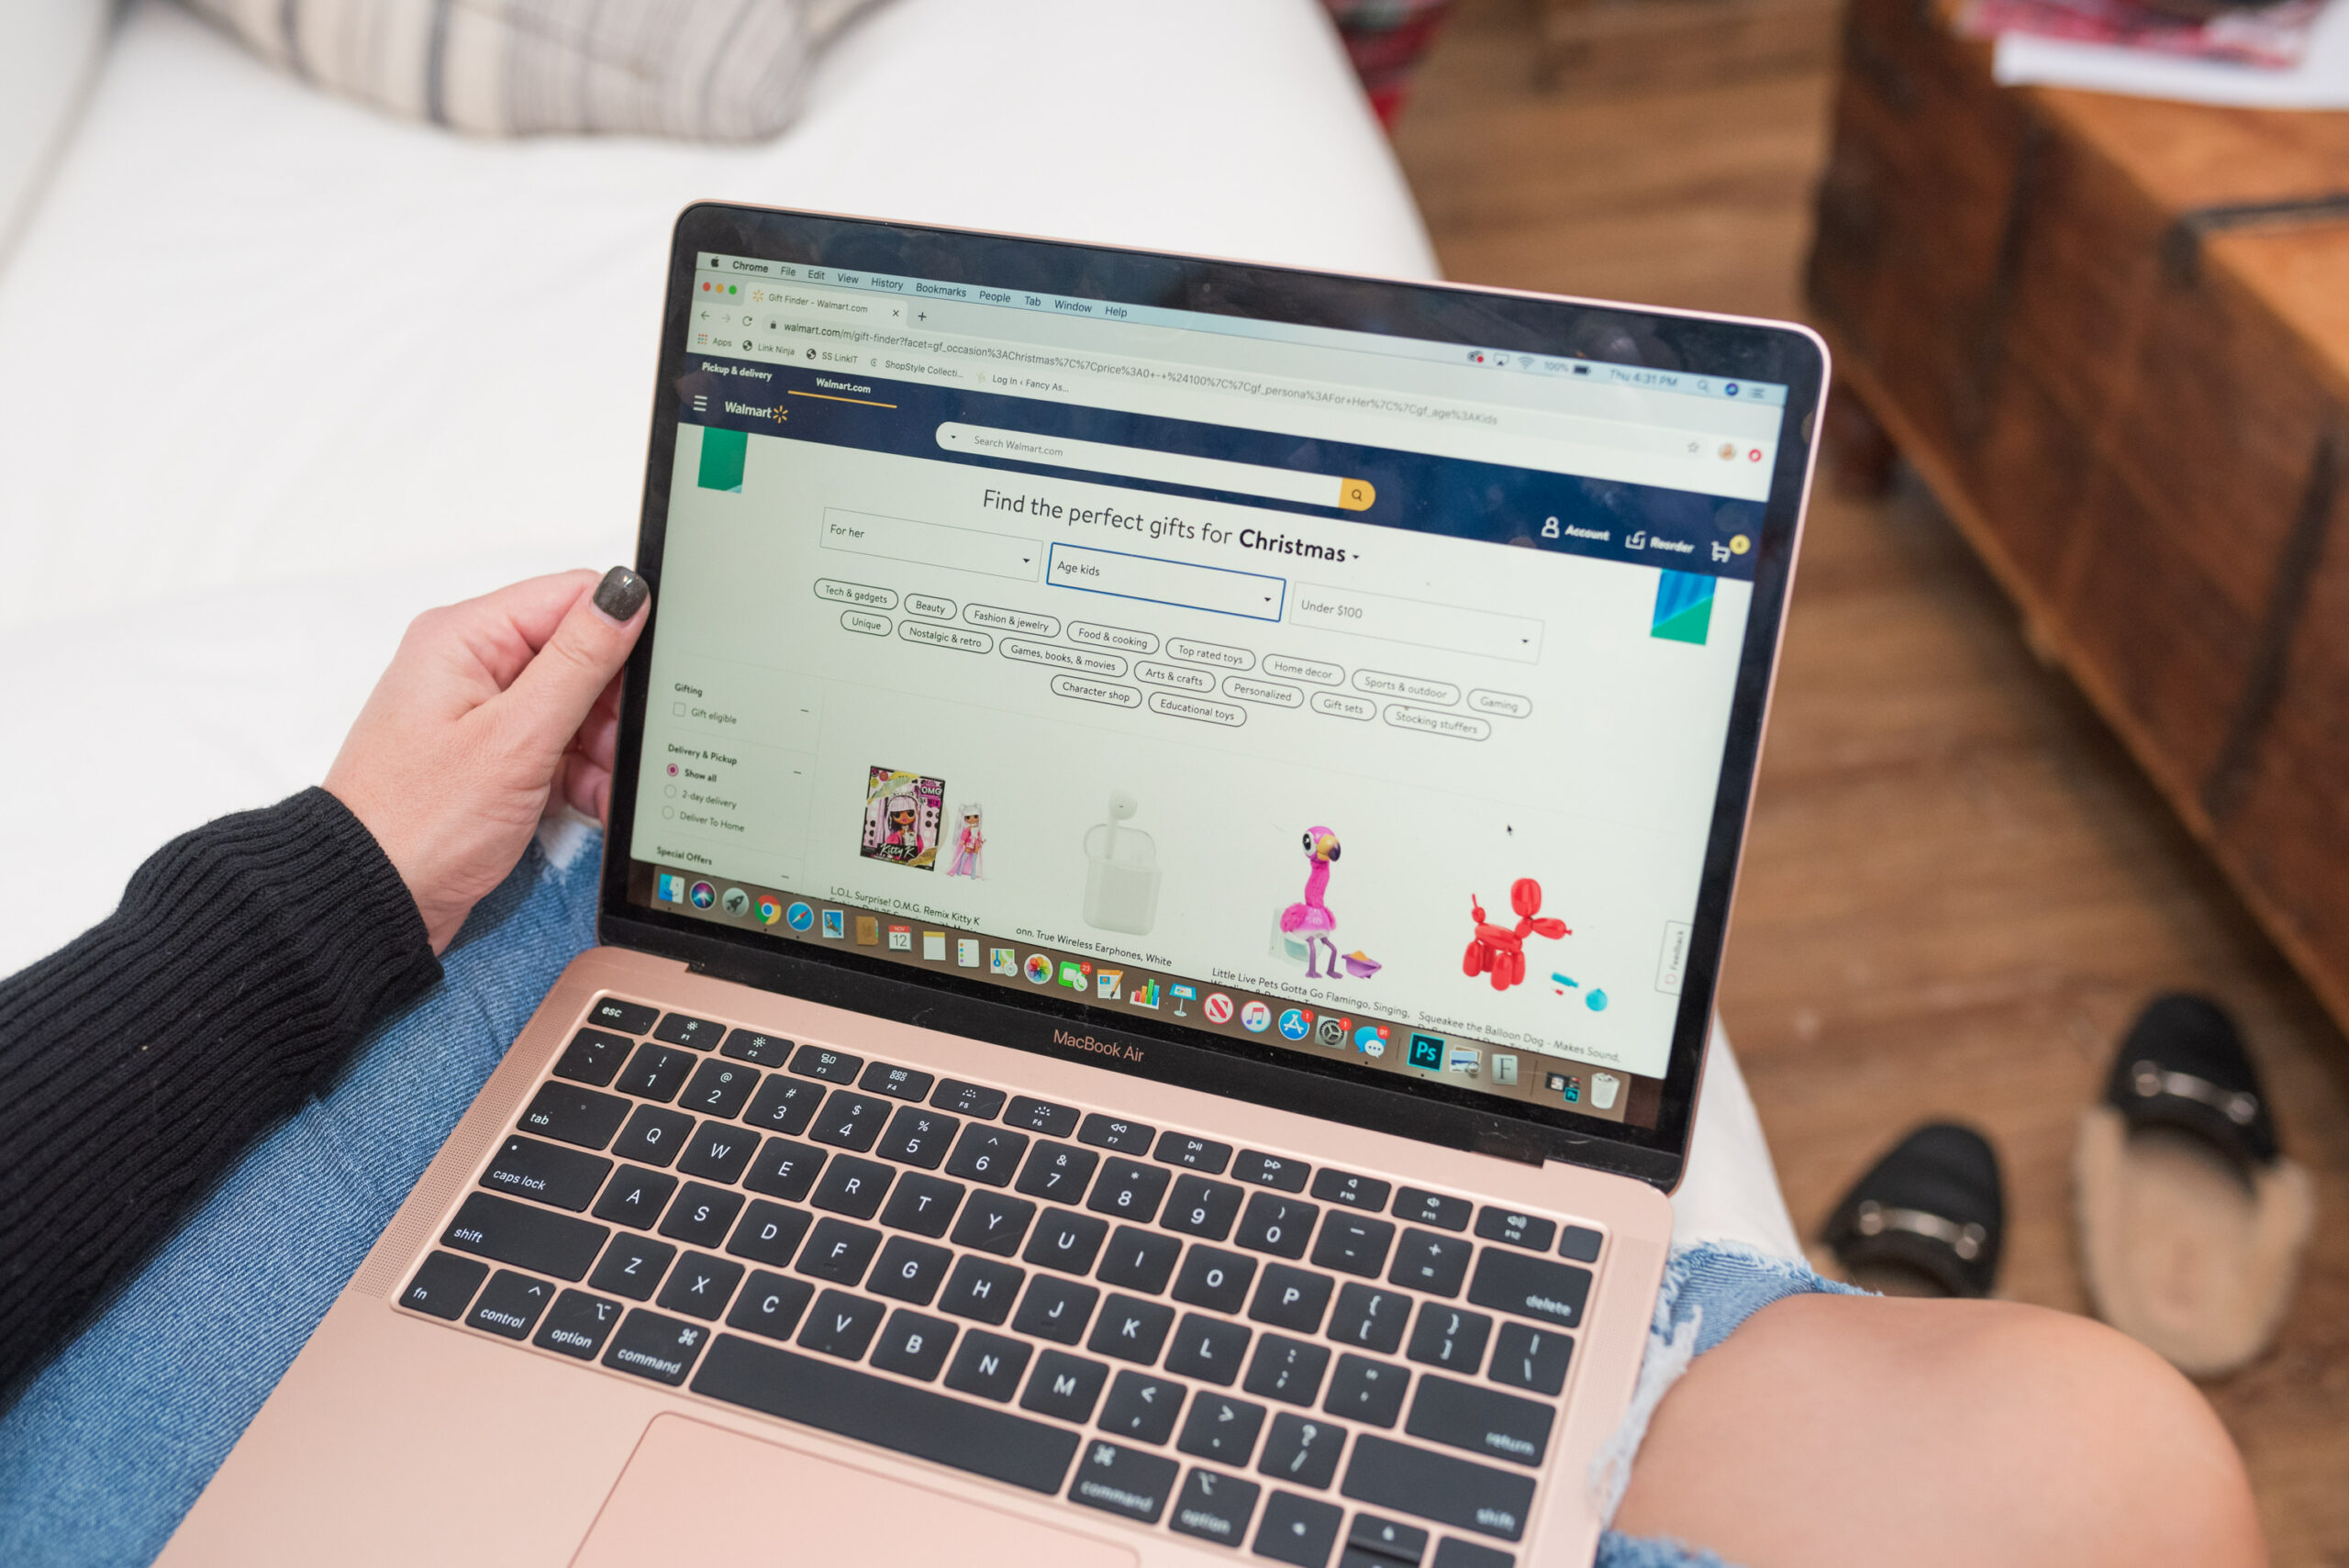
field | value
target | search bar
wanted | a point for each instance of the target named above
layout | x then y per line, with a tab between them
1167	468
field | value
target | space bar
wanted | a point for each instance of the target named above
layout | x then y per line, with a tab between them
871	1409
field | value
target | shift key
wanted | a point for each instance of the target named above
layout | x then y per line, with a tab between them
1531	1287
525	1236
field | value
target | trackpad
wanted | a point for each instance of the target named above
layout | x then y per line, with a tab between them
695	1492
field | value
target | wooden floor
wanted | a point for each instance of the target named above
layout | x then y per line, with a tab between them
1958	889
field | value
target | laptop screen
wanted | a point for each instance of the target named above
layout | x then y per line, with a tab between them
1361	697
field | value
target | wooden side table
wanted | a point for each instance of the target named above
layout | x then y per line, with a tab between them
2113	334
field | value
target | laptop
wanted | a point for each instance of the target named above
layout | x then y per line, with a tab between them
1173	837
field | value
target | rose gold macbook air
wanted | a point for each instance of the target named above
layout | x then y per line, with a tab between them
1174	833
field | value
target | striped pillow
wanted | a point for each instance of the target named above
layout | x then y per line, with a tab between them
706	69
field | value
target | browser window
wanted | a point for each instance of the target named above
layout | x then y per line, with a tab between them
1364	696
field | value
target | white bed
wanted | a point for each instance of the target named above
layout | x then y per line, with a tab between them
277	371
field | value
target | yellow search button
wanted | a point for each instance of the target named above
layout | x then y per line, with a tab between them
1355	495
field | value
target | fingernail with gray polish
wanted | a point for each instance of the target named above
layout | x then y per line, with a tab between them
621	593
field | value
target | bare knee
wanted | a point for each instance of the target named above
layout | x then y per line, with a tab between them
1834	1430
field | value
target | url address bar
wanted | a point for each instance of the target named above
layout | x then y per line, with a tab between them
1166	468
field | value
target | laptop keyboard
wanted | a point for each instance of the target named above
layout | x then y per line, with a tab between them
1244	1347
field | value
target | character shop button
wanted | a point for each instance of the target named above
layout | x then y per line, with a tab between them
946	637
1078	659
862	595
1095	691
1459	725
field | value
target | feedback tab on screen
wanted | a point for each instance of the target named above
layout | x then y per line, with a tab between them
1156	581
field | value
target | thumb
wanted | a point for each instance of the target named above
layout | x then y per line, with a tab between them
553	695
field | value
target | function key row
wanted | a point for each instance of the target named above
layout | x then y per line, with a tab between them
648	1071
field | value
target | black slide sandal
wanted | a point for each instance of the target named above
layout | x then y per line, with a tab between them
1927	1219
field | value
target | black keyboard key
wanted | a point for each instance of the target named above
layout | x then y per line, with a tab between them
994	1222
720	1152
771	1304
1281	1226
989	1366
636	1196
1139	1259
1389	1539
592	1057
923	1205
1215	1507
628	1017
1480	1421
575	1115
655	1347
578	1325
918	1136
1192	1153
853	1186
897	1082
783	1105
760	1050
1123	1480
655	1072
1425	1261
967	1099
1213	1350
1354	1243
1531	1287
840	1325
1066	1241
1581	1243
1287	1370
914	1345
1528	1357
1367	1193
1221	1428
839	1251
913	1421
443	1285
1516	1228
1298	1530
1431	1485
1056	1310
524	1236
1057	1173
1418	1207
1448	1338
1131	1329
632	1266
700	1216
1129	1191
769	1233
719	1089
1198	1207
1065	1387
546	1172
1366	1390
981	1289
850	1120
1142	1408
653	1136
989	1154
1370	1318
1291	1298
1272	1171
910	1270
1042	1117
784	1170
1215	1279
1453	1552
1303	1451
831	1066
701	1286
679	1029
1109	1132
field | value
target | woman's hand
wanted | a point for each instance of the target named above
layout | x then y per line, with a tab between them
493	713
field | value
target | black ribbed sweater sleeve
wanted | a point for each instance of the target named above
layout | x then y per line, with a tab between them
247	960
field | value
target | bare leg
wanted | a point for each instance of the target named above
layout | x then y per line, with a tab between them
1850	1432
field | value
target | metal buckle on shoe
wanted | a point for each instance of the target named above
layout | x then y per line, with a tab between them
1873	1220
2150	1081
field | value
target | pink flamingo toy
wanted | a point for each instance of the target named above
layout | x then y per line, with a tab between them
1309	918
1500	951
